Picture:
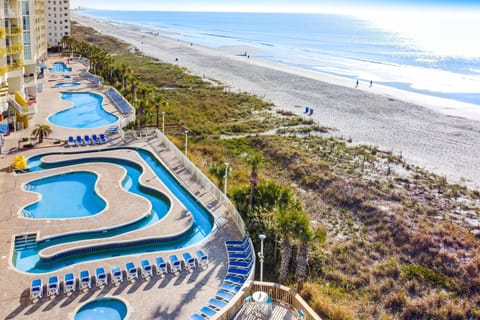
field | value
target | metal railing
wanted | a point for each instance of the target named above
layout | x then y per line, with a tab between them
277	292
205	182
29	109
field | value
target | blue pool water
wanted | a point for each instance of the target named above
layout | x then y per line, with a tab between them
59	67
28	260
67	195
87	112
102	309
67	84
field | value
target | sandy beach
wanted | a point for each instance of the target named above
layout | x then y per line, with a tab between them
440	135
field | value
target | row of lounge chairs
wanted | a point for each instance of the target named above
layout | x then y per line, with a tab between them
87	140
120	102
116	275
240	263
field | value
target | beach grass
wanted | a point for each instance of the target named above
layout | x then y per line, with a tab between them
399	239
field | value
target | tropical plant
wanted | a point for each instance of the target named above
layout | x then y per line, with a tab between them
41	131
218	172
254	161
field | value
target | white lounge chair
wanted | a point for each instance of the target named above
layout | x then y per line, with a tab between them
85	280
189	261
147	271
132	271
101	277
117	274
161	266
53	286
202	258
175	265
69	283
36	290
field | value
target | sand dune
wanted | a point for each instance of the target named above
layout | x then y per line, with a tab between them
439	135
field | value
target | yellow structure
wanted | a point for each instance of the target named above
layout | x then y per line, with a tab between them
20	162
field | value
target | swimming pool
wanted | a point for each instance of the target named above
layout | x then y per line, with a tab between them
67	195
59	67
67	84
28	259
87	112
102	309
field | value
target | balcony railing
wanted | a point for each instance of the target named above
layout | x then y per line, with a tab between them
14	31
14	48
26	110
28	78
15	66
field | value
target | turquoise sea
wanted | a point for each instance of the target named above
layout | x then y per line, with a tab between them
339	45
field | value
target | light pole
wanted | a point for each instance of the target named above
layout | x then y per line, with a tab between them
163	122
260	255
186	143
226	178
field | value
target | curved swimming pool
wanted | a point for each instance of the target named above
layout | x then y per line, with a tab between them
87	112
28	259
66	195
59	67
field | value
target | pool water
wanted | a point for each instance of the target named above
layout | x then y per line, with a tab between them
87	112
69	195
59	67
28	260
67	84
102	309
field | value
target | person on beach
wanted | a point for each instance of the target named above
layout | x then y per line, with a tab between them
371	83
356	84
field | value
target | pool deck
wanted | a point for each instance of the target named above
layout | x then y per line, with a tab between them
168	297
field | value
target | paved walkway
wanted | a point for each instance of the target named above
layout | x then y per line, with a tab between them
170	297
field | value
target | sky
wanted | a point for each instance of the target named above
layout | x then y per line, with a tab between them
439	26
312	6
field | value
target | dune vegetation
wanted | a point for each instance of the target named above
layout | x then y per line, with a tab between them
360	232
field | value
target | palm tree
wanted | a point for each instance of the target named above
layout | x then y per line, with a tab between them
306	237
285	226
41	131
218	172
254	161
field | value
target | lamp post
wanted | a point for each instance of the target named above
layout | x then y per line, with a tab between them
163	122
186	143
226	178
260	255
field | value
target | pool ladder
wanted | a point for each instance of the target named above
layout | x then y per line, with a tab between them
25	241
27	214
29	187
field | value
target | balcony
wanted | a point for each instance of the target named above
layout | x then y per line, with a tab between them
3	52
14	49
28	78
15	66
14	31
3	70
22	110
2	33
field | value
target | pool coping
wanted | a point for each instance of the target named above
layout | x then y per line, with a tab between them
130	309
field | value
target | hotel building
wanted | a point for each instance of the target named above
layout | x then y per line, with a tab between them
58	21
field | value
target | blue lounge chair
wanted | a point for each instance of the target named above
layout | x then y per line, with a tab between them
53	286
102	137
161	266
95	139
233	279
112	130
78	140
71	141
36	290
202	258
175	265
240	256
132	271
189	261
247	264
101	277
147	271
224	295
87	140
236	243
229	287
216	304
240	249
69	283
238	272
209	312
117	274
85	280
197	317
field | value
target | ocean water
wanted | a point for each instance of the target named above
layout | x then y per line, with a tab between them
340	45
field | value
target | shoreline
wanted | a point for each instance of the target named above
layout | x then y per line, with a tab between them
434	133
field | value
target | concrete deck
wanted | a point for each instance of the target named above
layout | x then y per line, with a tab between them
170	297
